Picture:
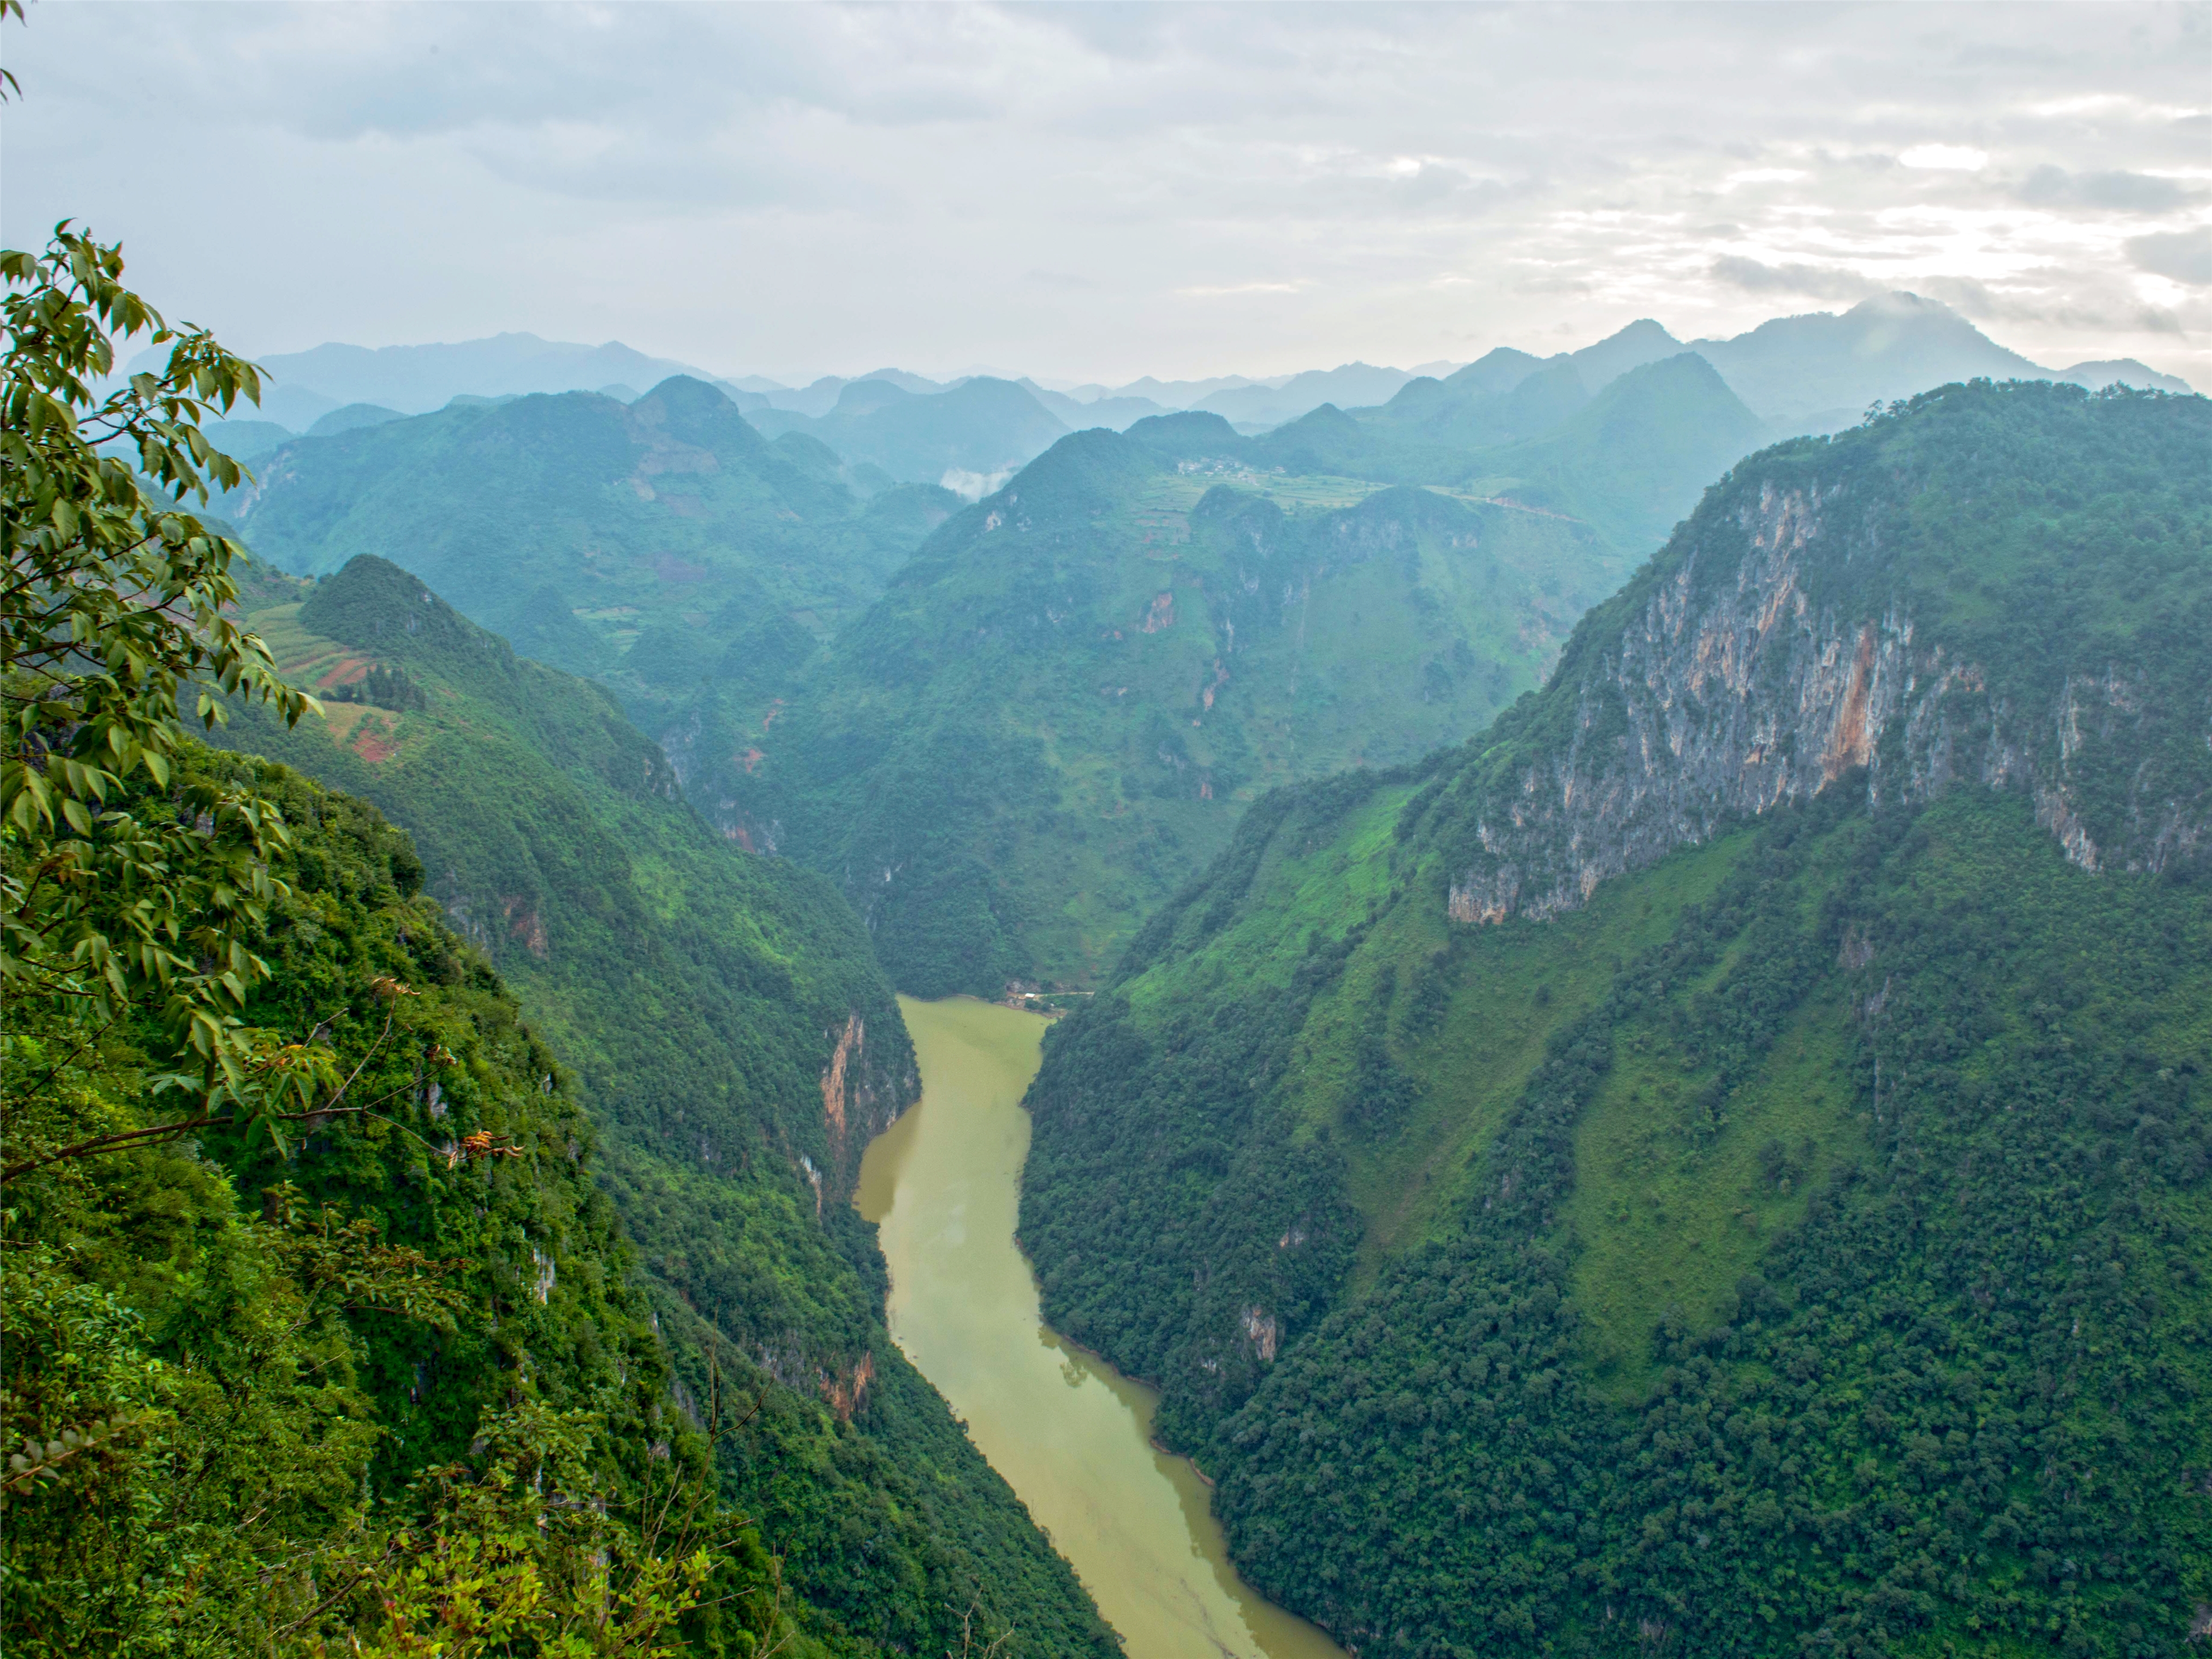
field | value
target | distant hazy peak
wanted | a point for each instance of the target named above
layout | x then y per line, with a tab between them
867	396
1825	368
351	418
2122	371
1641	342
414	379
1499	369
685	402
919	385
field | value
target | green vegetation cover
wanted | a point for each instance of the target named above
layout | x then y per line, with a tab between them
1719	1162
313	1428
268	1399
1059	710
1025	746
729	1030
578	526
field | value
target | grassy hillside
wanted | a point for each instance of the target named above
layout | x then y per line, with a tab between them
1057	711
1719	1163
578	526
727	1029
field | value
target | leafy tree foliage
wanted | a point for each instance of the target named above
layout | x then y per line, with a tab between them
112	615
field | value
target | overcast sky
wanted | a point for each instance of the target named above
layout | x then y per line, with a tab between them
1101	192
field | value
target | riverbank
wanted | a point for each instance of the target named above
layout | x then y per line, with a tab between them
1071	1434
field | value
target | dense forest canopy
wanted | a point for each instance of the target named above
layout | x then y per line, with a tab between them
1792	1241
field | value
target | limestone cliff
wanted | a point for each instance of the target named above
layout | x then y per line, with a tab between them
1789	638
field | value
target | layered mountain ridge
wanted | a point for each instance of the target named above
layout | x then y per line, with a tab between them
576	525
1061	704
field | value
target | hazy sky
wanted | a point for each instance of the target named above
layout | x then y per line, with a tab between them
1080	192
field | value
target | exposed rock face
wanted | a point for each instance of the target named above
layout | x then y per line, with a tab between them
1728	691
1263	1333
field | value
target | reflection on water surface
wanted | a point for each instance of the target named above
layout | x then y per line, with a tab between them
1069	1433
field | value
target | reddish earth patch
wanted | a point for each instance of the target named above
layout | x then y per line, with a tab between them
523	923
739	834
845	1393
350	671
374	747
1852	744
751	757
833	1079
1162	613
768	719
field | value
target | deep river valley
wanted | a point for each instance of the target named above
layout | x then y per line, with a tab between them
1070	1435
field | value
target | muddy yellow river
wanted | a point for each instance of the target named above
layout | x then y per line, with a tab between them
1069	1435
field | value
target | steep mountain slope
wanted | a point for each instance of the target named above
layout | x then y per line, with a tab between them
274	1368
575	524
1055	714
1720	1163
982	425
731	1035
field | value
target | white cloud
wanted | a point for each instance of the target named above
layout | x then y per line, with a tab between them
1762	176
2183	256
1945	158
794	191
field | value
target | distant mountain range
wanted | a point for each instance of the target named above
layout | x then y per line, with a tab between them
1807	373
414	379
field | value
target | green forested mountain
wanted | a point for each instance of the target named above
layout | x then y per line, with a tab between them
232	1368
1055	714
578	526
722	1019
1720	1163
1021	750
